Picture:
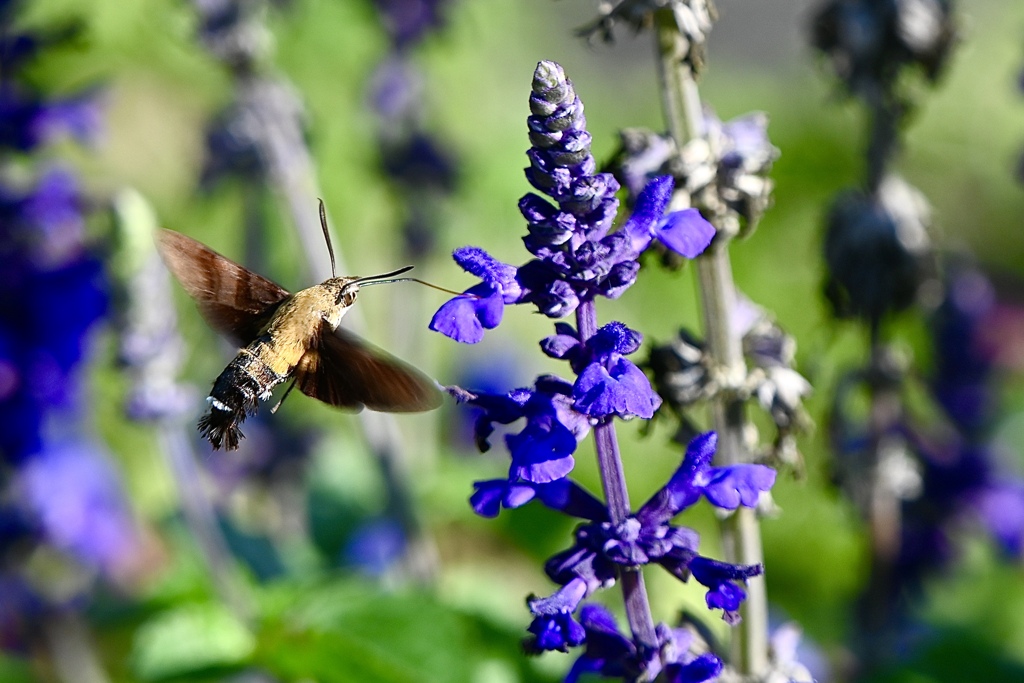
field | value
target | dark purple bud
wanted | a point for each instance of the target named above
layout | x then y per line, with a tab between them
620	278
554	627
707	667
591	261
614	338
590	193
561	346
720	578
557	300
877	250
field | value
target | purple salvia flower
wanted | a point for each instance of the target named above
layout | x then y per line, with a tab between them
59	489
611	384
465	318
576	259
646	537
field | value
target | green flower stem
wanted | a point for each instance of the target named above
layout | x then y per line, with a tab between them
741	533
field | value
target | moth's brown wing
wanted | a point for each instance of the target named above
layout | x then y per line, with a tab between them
234	300
345	371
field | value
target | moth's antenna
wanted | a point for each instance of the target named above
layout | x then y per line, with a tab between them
327	236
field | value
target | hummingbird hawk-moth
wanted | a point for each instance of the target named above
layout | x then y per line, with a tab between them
283	335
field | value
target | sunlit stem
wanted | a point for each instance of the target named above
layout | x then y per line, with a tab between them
741	534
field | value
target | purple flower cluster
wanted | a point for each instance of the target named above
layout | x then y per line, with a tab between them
577	258
645	537
965	384
947	474
58	487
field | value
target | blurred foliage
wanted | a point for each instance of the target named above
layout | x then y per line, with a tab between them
321	623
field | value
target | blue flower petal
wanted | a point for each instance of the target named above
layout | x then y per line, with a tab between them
542	451
624	391
685	232
465	318
569	497
738	485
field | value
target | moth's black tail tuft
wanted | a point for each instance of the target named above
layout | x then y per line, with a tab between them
233	398
221	428
236	395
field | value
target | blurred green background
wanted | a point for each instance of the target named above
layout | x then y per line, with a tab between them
319	624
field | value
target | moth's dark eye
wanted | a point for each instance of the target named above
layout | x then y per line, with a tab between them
349	297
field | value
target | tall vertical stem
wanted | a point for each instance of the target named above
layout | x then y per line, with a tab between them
613	481
741	533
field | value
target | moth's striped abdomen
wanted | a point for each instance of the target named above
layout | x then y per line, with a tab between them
236	394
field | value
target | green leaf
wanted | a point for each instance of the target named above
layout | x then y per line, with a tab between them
14	670
190	639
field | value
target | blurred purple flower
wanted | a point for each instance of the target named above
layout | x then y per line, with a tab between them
1001	508
407	21
376	546
75	492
